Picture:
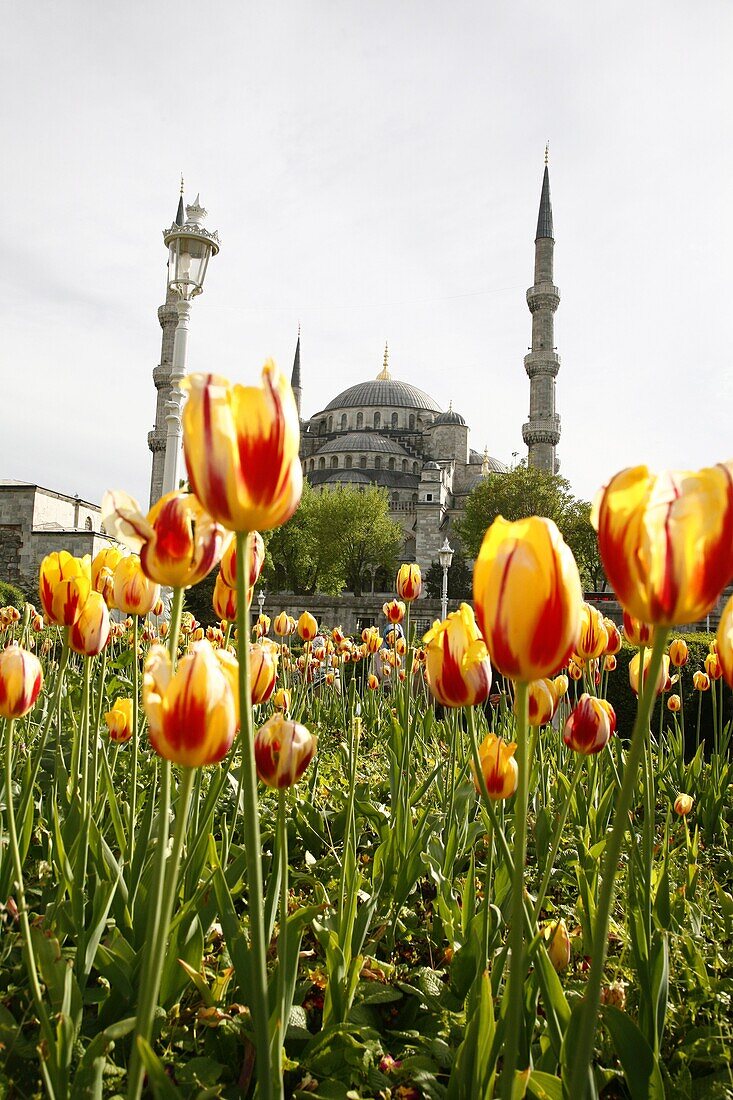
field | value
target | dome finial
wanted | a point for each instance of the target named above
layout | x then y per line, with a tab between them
485	468
450	405
547	151
384	375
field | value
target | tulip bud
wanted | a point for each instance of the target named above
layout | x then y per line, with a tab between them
590	725
636	632
263	671
283	750
409	582
394	611
541	702
372	682
613	646
560	686
103	570
558	944
679	654
21	679
498	766
575	669
307	627
134	593
262	626
593	636
674	703
157	608
228	565
701	681
683	804
224	600
662	676
280	624
64	584
119	720
713	667
610	663
281	700
614	994
372	640
90	632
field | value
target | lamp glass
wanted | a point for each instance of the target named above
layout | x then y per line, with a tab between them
445	554
188	260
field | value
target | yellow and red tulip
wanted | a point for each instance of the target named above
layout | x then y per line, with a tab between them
666	541
662	676
679	654
457	661
683	804
394	611
64	585
135	593
593	636
90	632
590	725
119	720
498	766
21	679
724	642
713	666
256	557
283	750
557	941
307	627
527	596
241	447
191	713
541	702
263	671
409	582
701	681
674	704
615	640
636	632
224	600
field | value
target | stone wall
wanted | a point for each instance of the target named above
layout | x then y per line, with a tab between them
351	613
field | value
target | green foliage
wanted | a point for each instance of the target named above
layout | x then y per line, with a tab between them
526	491
335	538
11	596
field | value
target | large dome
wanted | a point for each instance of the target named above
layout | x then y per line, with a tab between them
384	391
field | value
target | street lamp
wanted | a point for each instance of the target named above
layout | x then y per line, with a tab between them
190	247
445	554
261	600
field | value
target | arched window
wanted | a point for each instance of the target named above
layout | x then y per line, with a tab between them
88	524
321	464
404	465
334	463
391	464
377	463
343	422
313	464
413	498
348	462
330	423
412	422
415	468
377	420
395	498
360	420
362	462
394	420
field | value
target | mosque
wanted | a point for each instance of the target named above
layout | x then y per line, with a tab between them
387	432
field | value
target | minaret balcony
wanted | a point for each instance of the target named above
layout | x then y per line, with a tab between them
544	429
543	296
542	362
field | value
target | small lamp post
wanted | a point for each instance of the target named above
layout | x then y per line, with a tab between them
261	600
445	554
190	247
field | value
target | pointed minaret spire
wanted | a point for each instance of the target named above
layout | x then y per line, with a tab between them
295	376
384	375
180	216
541	433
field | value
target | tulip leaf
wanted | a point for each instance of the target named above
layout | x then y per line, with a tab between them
641	1069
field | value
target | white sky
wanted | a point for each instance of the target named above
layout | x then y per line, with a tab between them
374	171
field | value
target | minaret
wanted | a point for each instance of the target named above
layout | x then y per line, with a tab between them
295	376
168	317
541	433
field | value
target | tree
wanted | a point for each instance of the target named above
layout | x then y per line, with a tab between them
527	491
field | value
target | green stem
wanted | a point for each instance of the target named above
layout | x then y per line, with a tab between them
98	726
85	734
49	1039
579	1083
577	772
135	736
282	942
157	955
517	968
252	844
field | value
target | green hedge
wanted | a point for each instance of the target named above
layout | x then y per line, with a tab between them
11	596
623	700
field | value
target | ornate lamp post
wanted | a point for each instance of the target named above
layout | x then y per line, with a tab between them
445	554
261	600
190	247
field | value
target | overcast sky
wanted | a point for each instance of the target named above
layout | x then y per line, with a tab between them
374	171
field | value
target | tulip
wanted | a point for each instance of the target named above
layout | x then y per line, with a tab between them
371	638
541	702
558	944
701	681
575	669
394	611
135	593
498	766
281	624
527	596
615	641
241	447
262	626
674	704
409	582
119	720
560	686
224	600
338	636
64	585
683	804
191	713
283	750
103	571
263	671
724	642
281	700
307	627
37	622
609	663
590	725
593	637
21	679
662	675
636	632
666	542
372	682
178	542
458	665
256	557
157	608
713	666
679	654
90	632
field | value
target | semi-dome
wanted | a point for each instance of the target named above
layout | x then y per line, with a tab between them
384	391
356	477
488	463
449	417
362	441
